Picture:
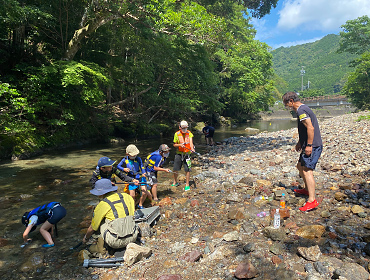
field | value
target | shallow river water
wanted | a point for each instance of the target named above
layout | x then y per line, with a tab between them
63	175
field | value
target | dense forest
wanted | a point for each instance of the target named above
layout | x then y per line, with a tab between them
326	70
76	70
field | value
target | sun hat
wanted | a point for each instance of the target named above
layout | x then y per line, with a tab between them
132	150
184	124
164	148
103	186
105	161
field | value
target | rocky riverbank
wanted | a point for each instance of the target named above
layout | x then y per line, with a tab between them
221	229
214	232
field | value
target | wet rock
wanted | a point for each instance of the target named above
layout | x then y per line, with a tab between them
35	261
310	253
135	253
245	270
26	196
3	242
252	131
311	232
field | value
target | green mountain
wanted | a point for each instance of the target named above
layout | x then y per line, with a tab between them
325	69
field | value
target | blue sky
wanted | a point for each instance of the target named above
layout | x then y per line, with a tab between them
296	22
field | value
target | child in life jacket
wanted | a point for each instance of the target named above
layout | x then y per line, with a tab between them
133	166
48	215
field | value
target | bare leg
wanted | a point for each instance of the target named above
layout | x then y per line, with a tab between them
44	230
142	197
175	177
187	175
154	192
309	182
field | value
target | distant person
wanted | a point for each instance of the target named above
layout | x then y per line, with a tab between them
183	141
113	218
208	132
48	215
154	163
133	166
105	170
310	145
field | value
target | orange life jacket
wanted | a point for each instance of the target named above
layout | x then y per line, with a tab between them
187	148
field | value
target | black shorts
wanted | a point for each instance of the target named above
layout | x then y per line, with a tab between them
57	214
179	161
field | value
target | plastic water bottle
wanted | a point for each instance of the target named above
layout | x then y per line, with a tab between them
277	219
282	200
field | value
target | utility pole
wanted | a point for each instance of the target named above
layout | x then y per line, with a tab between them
302	74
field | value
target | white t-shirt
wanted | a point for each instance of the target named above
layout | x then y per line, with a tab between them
33	220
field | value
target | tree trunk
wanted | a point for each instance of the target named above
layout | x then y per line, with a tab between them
75	43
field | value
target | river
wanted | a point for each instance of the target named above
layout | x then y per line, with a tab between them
63	175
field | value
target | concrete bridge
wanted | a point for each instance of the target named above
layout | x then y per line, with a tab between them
328	100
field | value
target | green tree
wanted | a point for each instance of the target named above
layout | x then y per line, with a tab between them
355	37
357	87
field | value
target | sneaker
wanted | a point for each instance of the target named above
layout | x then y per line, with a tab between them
47	245
175	185
301	191
187	188
140	207
309	206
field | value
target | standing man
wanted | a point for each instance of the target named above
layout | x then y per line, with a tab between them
310	145
183	141
208	132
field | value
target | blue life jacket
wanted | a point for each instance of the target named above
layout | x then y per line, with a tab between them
43	212
151	160
135	166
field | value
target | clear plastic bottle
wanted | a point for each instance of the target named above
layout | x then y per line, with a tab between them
277	219
282	200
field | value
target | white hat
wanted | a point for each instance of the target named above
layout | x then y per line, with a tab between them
132	150
184	124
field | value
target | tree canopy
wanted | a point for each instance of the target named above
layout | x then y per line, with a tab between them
355	39
75	70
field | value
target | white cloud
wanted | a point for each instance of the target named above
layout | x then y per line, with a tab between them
324	15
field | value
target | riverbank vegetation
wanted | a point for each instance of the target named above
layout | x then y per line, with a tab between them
72	71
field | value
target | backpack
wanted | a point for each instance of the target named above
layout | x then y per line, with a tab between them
119	232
